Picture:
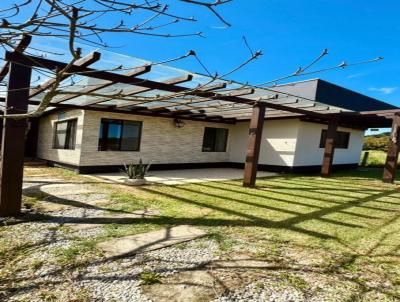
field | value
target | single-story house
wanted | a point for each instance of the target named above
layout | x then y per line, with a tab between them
113	113
98	141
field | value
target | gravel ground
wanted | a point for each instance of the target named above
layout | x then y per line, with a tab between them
313	287
52	265
119	280
38	274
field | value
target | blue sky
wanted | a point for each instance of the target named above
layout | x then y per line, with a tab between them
290	34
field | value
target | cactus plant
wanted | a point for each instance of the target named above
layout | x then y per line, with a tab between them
136	171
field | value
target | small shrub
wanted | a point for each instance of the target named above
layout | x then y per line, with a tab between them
149	278
138	171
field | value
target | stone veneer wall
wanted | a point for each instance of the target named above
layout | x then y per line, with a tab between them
161	142
46	134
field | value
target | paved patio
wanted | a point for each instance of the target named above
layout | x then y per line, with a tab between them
176	177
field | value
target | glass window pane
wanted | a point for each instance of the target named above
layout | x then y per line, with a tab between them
130	136
64	135
215	139
61	132
114	135
70	137
342	139
221	138
119	135
323	139
209	139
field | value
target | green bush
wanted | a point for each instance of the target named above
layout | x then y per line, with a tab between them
376	142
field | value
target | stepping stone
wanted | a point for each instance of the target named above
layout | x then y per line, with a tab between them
65	189
53	207
98	202
108	219
48	206
150	241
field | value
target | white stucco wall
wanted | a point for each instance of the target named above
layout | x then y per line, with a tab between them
46	135
278	143
308	152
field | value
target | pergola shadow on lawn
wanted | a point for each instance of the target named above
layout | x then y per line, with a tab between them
341	213
292	200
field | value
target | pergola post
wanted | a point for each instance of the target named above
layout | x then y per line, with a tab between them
254	143
13	140
389	172
329	151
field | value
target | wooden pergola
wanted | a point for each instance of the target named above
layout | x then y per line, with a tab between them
186	98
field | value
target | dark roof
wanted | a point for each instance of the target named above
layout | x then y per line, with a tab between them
334	95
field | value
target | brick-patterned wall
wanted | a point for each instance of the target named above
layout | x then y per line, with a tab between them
46	134
161	142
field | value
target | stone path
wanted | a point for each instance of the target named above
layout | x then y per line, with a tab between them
83	211
150	241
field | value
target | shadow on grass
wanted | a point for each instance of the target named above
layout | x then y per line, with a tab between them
227	198
241	207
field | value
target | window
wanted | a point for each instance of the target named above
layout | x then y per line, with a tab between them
119	135
342	139
215	139
64	134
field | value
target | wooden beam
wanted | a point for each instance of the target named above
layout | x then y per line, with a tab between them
13	140
214	86
83	62
22	45
138	90
240	92
105	75
330	143
132	73
254	144
144	112
389	172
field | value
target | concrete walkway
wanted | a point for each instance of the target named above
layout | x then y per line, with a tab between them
176	177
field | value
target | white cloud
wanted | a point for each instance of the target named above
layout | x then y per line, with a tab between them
356	75
384	90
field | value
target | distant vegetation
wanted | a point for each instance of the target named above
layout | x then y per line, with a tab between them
376	142
376	146
376	158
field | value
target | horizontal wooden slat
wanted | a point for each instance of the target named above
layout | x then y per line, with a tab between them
83	62
133	73
105	75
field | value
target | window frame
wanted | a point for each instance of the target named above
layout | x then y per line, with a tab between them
56	123
226	130
337	139
121	121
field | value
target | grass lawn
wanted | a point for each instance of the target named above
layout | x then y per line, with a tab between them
345	228
376	158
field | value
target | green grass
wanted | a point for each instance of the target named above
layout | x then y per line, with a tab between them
345	226
376	158
149	278
73	254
